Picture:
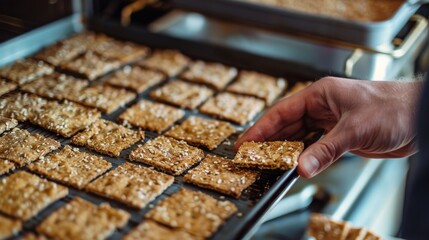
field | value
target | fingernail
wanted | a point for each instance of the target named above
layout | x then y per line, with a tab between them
311	165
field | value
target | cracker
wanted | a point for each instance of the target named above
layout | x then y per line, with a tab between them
151	116
107	137
131	184
355	234
60	52
83	220
322	228
195	212
104	97
168	154
91	65
170	62
6	86
26	70
9	227
65	118
33	236
23	195
71	167
150	230
215	75
281	155
124	52
182	94
220	174
371	236
22	147
202	132
259	85
233	107
56	86
7	124
6	166
20	106
297	87
135	78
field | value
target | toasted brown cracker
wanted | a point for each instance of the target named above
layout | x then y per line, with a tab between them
33	236
22	147
71	167
103	97
182	94
124	52
26	70
215	75
6	86
6	166
132	184
151	116
170	62
371	236
23	195
222	175
150	230
83	220
136	78
107	137
324	228
56	86
20	106
7	124
258	85
91	65
195	212
355	234
60	53
233	107
281	155
298	87
9	227
168	154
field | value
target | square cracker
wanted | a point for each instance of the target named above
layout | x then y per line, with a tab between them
107	137
258	85
6	166
6	86
323	228
220	174
236	108
281	155
22	147
7	124
195	212
23	195
56	86
26	70
168	154
104	97
297	87
151	116
182	94
150	230
9	227
198	131
83	220
71	167
131	184
135	78
60	52
215	75
170	62
20	106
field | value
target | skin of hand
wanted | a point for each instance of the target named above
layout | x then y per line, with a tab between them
373	119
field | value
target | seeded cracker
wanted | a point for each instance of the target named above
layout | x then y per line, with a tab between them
233	107
215	75
323	228
6	86
131	184
202	132
7	124
195	212
151	116
220	174
60	53
150	230
6	166
168	154
136	78
23	71
269	155
71	167
22	147
83	220
258	85
104	97
107	137
23	195
9	227
182	94
170	62
20	106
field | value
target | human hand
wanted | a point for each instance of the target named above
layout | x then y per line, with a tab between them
369	118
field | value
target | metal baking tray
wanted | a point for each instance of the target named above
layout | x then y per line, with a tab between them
368	34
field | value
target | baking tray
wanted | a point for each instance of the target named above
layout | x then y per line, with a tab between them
368	34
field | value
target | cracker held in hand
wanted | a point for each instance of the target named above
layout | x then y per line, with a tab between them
281	155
